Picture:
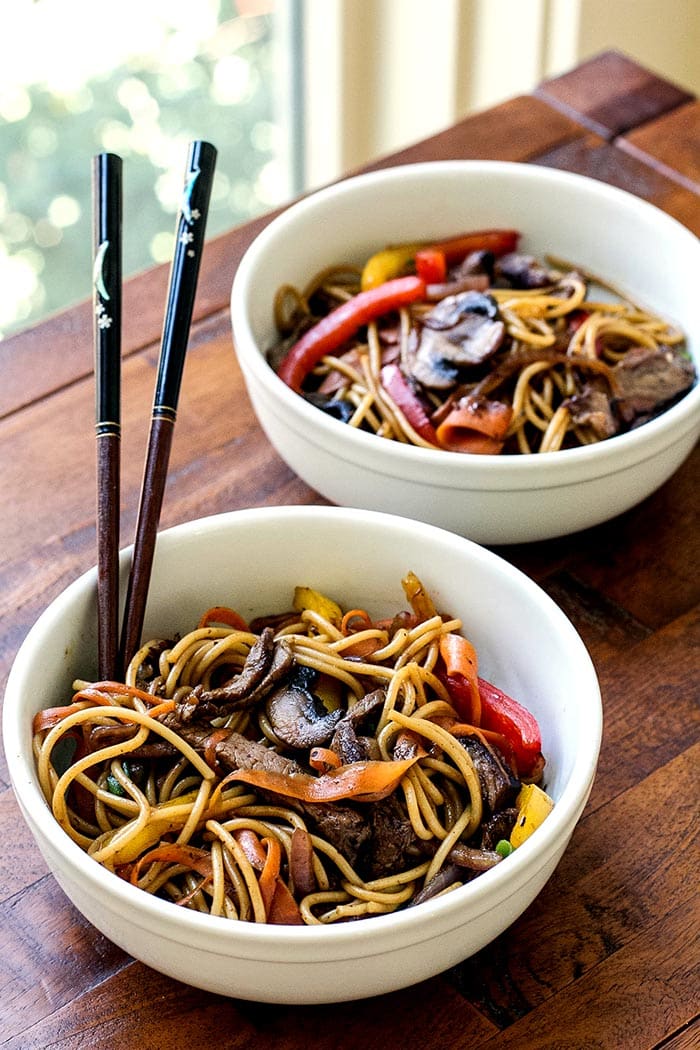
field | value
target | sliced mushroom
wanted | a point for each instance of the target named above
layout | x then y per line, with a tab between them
454	308
462	330
429	366
299	718
332	406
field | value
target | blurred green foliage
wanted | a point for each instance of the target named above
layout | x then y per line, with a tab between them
147	110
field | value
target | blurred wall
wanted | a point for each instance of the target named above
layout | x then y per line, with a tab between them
380	74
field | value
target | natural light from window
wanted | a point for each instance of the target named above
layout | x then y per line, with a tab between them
140	79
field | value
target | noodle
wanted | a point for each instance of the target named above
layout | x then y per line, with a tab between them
150	793
554	334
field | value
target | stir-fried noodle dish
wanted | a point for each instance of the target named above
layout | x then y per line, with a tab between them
470	345
312	766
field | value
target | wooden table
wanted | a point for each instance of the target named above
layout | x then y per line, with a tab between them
607	955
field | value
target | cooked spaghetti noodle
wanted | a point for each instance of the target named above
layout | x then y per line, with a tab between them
307	768
577	361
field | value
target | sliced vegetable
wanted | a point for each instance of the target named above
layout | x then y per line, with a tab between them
308	598
461	676
198	860
399	259
477	426
502	714
500	242
341	324
399	390
363	781
534	805
250	843
387	264
431	265
280	907
284	910
355	620
114	787
301	863
420	600
323	759
51	716
223	615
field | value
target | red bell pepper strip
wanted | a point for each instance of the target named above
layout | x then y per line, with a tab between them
398	389
500	242
461	676
341	324
431	265
501	714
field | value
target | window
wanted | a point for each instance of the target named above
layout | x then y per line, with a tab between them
140	78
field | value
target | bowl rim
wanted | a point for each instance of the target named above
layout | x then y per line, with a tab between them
596	460
337	940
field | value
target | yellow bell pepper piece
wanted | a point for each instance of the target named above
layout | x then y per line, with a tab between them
420	600
533	806
314	601
144	840
387	264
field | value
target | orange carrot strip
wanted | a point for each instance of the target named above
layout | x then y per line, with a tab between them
162	709
222	614
346	624
198	860
301	862
210	743
89	692
269	875
363	781
323	759
477	426
51	716
284	910
363	648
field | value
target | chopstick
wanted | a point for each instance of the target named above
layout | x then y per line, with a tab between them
189	241
107	302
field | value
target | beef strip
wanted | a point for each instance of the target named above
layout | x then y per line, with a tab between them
498	785
265	665
498	827
522	271
392	838
647	380
341	824
348	744
591	407
374	837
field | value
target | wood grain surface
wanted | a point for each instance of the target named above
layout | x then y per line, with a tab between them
607	955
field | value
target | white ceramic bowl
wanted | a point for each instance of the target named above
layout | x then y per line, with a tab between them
491	499
252	560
